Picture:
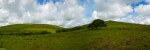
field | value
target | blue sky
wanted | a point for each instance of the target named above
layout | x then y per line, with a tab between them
90	5
46	1
143	2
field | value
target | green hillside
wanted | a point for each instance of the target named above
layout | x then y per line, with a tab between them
116	36
19	28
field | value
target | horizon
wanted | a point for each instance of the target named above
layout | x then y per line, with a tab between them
71	13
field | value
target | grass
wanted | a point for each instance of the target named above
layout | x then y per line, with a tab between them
117	36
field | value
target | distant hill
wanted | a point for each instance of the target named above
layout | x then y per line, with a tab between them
28	28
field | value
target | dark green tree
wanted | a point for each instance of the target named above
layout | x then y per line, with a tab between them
96	24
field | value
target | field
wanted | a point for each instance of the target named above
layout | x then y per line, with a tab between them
116	36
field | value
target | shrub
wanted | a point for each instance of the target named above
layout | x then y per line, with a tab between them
12	33
62	30
58	31
25	33
45	32
96	24
70	29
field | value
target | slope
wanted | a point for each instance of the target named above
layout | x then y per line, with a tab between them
116	36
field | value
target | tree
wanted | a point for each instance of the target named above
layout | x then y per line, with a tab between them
96	24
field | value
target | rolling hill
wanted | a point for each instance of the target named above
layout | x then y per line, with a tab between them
19	28
116	36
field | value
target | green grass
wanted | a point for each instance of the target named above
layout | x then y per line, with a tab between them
117	36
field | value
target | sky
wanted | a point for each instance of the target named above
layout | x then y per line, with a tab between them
71	13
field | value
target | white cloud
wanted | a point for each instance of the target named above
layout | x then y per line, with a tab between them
143	10
118	10
123	1
141	16
69	13
144	15
28	11
147	0
110	10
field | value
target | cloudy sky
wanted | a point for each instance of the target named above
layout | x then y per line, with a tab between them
70	13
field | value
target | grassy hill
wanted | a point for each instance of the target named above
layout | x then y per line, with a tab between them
116	36
19	28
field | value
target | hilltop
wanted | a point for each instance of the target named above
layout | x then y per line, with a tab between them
19	28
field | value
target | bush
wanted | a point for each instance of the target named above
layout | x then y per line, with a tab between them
70	29
11	33
33	33
77	28
61	30
58	31
96	24
45	32
25	33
